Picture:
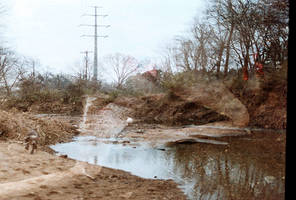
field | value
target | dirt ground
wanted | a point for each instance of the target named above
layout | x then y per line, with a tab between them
46	176
167	110
266	109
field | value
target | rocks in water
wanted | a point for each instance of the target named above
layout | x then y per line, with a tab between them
196	140
269	179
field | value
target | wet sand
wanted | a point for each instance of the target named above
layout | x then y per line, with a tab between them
46	176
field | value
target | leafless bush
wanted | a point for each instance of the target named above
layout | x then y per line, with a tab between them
122	66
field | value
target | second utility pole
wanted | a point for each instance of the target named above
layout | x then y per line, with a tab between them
96	49
85	71
95	64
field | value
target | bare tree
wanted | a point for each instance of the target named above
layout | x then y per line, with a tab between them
183	54
11	70
230	36
122	66
251	27
202	34
197	52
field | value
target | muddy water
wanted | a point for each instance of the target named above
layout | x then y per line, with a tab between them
250	167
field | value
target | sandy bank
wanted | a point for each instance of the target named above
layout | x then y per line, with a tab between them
46	176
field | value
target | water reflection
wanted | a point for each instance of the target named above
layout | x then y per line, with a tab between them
228	175
203	171
140	160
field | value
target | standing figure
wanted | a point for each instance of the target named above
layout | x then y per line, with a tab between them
258	66
31	139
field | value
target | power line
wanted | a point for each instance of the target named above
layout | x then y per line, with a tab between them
95	36
86	60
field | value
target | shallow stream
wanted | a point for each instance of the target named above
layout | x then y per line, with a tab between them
247	168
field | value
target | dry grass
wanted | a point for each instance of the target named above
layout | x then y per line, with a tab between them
14	125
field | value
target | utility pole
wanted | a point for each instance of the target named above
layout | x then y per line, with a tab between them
96	25
86	60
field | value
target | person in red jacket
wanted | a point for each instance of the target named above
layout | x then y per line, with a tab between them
245	69
245	73
258	66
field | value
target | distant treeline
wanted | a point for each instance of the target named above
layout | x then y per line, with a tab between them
229	36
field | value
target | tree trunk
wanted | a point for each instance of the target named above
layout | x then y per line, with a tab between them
221	49
228	50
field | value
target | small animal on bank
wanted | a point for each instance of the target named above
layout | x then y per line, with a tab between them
31	139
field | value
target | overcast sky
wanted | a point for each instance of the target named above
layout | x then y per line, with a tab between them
48	30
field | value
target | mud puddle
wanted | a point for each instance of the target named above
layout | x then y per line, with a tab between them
247	168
